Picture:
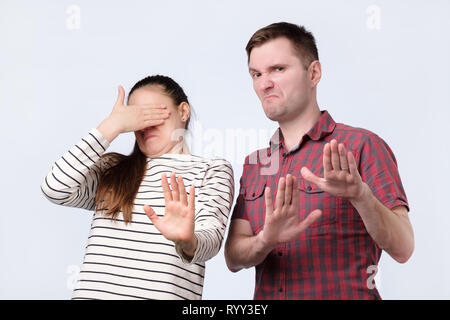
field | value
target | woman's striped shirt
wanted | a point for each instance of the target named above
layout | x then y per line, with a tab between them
136	261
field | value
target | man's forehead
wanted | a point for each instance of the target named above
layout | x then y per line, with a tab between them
271	53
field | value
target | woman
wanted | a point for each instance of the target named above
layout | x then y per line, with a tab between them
150	237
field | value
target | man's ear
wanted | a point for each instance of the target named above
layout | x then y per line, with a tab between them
315	72
184	111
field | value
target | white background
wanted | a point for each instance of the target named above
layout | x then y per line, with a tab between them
385	68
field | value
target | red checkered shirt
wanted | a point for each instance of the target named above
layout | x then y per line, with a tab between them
335	258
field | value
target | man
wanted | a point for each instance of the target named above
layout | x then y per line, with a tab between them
338	197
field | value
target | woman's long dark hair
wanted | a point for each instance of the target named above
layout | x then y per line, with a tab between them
118	185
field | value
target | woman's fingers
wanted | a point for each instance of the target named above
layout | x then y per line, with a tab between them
166	188
174	186
120	96
191	201
177	190
182	191
151	214
150	116
153	112
151	123
153	109
160	114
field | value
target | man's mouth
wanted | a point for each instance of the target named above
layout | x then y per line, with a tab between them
270	96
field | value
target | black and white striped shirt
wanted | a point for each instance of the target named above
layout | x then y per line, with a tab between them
136	261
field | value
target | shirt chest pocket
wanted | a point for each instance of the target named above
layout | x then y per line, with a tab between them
255	205
312	198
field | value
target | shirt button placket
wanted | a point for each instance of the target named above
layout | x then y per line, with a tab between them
280	291
282	253
283	261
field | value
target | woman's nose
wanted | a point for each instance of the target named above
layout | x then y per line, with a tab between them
146	129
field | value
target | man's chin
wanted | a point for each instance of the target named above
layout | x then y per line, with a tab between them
274	116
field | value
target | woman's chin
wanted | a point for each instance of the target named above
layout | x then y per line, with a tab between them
152	151
156	150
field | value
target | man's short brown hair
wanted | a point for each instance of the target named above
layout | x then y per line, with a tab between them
302	40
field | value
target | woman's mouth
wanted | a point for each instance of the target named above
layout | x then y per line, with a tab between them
150	136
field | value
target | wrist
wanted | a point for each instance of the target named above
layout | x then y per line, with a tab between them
188	247
363	195
263	245
109	129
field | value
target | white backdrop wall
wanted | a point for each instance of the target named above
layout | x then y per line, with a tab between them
385	68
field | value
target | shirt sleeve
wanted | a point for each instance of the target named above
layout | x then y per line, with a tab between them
72	180
239	211
213	205
378	168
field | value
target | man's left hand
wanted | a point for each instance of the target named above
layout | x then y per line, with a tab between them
341	176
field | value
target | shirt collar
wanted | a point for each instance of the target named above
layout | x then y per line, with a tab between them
323	127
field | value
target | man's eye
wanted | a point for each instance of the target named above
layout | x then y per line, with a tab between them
279	69
256	75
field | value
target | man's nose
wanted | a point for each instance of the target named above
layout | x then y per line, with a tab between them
265	83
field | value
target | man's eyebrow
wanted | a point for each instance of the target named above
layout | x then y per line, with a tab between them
272	67
277	65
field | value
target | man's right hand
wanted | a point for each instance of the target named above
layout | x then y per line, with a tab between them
131	118
282	222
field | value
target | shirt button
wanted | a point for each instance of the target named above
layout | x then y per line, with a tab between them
280	253
281	290
253	194
308	188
